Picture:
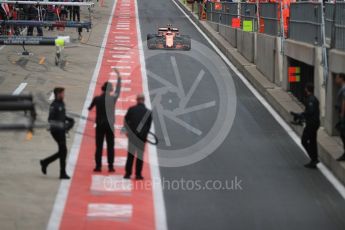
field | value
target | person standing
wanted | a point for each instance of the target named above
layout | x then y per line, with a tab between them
59	125
311	116
33	16
105	119
340	107
137	123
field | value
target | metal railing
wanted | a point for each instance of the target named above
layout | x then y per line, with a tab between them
305	22
248	13
230	10
223	16
339	26
329	11
269	21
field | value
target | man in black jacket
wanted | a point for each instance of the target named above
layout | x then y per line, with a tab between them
105	119
311	116
60	124
340	107
137	122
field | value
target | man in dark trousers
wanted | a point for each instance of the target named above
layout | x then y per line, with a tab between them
340	107
59	125
311	116
137	122
105	119
33	15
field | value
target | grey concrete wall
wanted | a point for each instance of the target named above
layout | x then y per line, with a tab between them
300	51
229	34
245	44
337	61
336	65
233	36
265	60
213	25
331	117
278	63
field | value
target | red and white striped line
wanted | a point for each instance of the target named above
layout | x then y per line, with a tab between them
105	200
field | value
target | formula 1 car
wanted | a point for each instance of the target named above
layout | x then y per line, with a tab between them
168	38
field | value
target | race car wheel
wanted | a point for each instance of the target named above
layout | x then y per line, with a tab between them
150	36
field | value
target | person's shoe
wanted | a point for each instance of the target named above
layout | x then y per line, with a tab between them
139	177
111	168
43	167
311	165
342	158
127	176
97	169
65	177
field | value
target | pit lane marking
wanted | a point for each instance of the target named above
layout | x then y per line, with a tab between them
20	88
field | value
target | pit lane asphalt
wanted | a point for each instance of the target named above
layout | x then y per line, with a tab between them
277	191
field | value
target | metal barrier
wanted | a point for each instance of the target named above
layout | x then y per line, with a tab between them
329	10
248	13
230	10
339	26
305	22
269	20
224	15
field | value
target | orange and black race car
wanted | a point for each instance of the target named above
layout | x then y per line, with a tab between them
168	38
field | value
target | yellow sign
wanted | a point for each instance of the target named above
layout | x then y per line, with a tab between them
59	42
248	26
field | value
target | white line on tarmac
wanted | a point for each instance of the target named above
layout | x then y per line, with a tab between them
20	88
51	97
159	205
61	197
324	170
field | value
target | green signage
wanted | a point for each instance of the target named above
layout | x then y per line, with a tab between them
248	26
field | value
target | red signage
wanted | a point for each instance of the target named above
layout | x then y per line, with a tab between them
218	6
236	23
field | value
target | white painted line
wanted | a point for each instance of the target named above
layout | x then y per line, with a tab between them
121	48
119	28
121	56
51	97
119	61
127	99
120	52
121	73
159	205
120	32
120	212
121	143
20	88
122	41
120	112
331	178
61	197
126	89
120	67
110	184
118	161
123	81
123	37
